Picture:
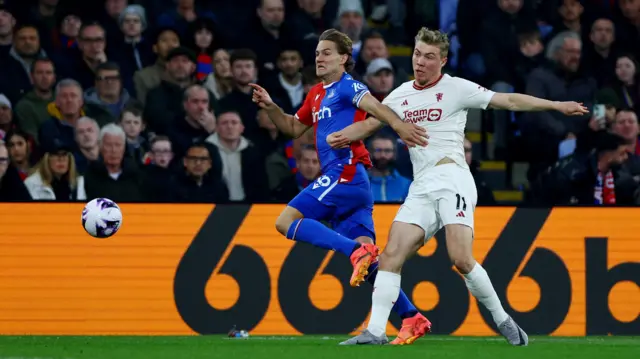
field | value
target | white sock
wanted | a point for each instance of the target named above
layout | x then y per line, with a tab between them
480	286
386	290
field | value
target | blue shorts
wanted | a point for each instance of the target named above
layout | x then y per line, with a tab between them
342	196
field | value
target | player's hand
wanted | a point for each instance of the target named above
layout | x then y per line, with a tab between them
261	97
571	108
337	140
412	134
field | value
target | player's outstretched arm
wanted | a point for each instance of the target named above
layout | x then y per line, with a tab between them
287	124
526	103
354	132
411	134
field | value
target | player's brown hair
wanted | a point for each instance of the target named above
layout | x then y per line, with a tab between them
343	44
434	38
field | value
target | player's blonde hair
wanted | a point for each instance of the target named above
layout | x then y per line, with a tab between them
434	38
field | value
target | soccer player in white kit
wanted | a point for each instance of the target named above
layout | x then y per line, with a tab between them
443	192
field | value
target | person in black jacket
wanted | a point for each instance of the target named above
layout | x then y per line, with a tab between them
200	182
592	178
12	189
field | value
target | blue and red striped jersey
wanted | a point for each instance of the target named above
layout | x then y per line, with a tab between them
331	108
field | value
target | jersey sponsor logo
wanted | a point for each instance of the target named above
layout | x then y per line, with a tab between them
357	87
324	112
415	116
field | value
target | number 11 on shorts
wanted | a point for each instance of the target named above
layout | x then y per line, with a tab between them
459	199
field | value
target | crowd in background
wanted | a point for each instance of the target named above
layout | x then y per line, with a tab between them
149	100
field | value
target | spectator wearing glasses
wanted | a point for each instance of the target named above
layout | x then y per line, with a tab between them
108	92
387	184
200	181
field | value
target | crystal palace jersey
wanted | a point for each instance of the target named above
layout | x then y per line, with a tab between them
331	108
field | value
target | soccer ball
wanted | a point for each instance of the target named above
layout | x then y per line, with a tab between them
101	218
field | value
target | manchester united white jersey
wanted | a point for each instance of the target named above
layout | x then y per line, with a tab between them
441	108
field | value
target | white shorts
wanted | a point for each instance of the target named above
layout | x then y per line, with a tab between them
446	194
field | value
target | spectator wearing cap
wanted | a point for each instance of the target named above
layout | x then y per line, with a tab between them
184	13
350	20
81	64
55	177
64	112
115	176
243	163
132	51
6	116
16	69
165	102
12	188
7	23
380	78
108	92
244	71
270	36
150	77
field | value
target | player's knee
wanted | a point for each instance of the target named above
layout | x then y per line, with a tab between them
283	223
464	264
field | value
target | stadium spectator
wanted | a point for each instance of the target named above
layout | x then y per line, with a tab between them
32	108
12	189
243	164
109	18
220	81
311	19
543	131
626	126
626	85
86	136
287	86
269	36
150	77
485	194
108	92
184	13
195	123
629	26
587	179
203	38
64	112
387	185
244	71
200	181
131	50
44	17
160	178
165	102
65	35
7	22
6	116
599	56
570	12
81	64
55	177
350	20
285	187
530	57
114	177
380	78
375	47
17	66
132	123
20	148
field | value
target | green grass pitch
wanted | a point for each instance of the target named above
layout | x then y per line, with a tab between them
310	347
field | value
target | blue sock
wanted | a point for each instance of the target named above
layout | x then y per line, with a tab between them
316	233
403	307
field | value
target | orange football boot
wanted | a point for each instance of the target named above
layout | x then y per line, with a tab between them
412	329
361	259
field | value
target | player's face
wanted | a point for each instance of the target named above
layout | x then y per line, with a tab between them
328	60
309	165
427	63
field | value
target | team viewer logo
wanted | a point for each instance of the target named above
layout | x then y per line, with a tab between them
434	114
